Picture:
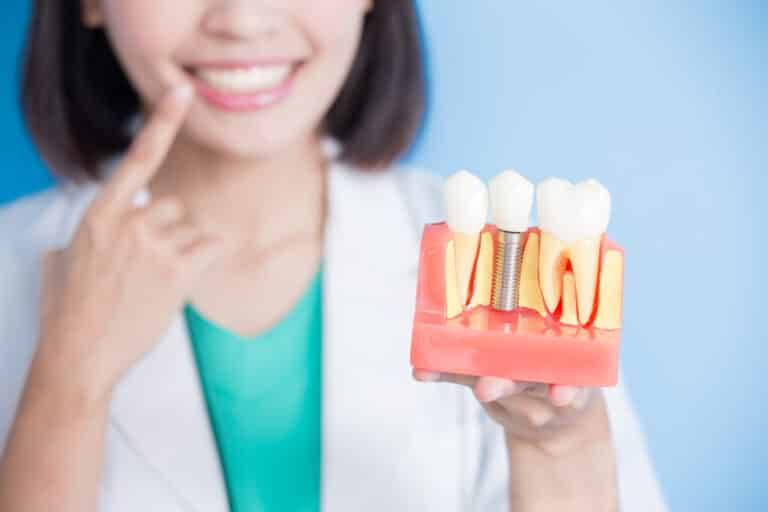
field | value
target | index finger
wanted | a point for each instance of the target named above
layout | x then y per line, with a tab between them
148	150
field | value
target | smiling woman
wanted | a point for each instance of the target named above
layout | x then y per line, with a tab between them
83	85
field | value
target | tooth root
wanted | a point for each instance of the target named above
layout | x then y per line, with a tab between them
585	259
552	264
453	307
569	315
481	289
466	251
530	293
609	299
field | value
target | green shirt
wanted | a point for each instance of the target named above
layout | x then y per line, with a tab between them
264	396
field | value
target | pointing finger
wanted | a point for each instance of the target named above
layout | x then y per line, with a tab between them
148	150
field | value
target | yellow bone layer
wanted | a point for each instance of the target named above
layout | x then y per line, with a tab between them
610	296
452	305
483	283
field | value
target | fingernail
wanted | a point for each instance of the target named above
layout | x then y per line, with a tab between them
426	376
540	418
563	395
183	92
498	388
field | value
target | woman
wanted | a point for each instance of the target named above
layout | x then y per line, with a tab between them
224	313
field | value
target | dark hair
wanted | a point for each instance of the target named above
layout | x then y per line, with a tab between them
77	101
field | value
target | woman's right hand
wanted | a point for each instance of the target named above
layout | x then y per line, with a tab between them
109	296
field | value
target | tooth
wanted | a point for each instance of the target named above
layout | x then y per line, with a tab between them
511	201
585	259
255	78
466	212
573	219
552	265
530	292
569	315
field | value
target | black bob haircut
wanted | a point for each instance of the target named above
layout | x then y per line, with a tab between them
77	102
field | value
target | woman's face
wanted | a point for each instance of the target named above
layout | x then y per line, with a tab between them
265	71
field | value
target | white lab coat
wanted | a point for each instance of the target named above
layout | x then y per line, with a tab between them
389	443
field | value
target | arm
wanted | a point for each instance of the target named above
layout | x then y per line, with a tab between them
53	457
574	472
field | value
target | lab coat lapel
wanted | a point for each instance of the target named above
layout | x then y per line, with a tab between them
158	408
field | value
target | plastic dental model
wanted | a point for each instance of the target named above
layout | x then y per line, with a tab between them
511	201
532	304
466	211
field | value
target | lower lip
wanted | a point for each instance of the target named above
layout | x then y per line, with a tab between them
245	101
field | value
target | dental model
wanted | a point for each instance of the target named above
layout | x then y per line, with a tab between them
466	211
511	203
573	219
551	309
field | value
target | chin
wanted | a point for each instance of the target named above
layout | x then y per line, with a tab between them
250	142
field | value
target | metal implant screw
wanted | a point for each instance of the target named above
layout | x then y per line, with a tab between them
506	274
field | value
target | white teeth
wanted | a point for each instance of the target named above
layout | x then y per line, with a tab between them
466	203
573	212
466	212
246	79
511	201
572	219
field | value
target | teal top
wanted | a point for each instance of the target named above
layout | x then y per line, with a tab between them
263	395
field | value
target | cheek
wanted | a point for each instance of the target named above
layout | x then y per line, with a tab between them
335	39
333	25
144	35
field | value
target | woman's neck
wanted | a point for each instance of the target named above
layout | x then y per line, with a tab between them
255	203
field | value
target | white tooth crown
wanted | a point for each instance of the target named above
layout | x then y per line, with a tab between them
511	201
573	212
572	219
245	79
466	203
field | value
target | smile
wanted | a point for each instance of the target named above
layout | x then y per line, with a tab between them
243	87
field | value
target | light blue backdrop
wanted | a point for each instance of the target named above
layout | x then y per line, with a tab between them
665	103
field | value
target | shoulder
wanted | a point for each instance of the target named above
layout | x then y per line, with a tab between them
30	226
396	193
423	191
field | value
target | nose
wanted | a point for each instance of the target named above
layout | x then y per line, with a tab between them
241	19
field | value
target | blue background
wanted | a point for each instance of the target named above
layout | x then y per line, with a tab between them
666	104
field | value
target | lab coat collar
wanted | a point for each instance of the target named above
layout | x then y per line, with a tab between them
369	268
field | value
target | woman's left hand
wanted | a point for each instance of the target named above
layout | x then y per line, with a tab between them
529	412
